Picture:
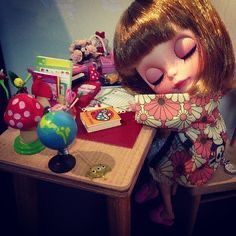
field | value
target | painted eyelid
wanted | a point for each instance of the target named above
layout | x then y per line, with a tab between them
153	75
184	46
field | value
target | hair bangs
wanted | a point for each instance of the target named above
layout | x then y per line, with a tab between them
138	40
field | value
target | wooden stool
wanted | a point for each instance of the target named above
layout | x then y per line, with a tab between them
221	186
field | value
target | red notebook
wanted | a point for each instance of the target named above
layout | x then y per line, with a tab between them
124	135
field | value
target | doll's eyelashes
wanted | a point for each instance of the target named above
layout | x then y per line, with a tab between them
158	81
185	47
154	76
190	53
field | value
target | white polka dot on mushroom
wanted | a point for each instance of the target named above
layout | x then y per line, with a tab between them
19	125
22	105
15	101
12	122
17	116
26	113
37	105
9	112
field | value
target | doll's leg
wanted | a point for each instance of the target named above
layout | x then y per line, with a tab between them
166	192
164	214
174	189
147	192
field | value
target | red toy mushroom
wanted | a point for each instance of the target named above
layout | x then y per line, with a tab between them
23	112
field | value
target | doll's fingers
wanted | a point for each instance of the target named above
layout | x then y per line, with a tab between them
132	107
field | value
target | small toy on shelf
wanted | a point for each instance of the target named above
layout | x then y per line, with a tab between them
100	119
23	112
45	87
71	99
88	90
98	171
18	82
42	92
93	74
100	42
57	130
112	79
107	64
82	50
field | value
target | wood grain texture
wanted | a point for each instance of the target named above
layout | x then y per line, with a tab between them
125	162
119	216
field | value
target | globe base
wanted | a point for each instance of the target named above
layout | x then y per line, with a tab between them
62	163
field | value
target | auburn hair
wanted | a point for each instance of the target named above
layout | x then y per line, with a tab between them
145	24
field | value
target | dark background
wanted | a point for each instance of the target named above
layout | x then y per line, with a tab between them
67	211
3	98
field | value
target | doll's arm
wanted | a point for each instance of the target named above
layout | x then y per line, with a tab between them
165	111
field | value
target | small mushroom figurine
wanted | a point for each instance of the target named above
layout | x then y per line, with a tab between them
23	112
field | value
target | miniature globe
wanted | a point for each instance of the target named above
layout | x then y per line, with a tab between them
57	130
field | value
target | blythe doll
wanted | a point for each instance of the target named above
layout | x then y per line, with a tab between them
178	57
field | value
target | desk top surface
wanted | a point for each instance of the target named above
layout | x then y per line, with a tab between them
125	162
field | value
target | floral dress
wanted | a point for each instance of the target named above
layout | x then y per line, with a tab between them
195	146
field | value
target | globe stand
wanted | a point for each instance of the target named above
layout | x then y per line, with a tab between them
62	162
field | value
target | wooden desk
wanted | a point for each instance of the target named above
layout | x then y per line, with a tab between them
117	186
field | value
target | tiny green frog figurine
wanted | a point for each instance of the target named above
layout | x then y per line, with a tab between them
98	171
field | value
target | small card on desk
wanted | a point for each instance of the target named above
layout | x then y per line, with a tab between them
100	119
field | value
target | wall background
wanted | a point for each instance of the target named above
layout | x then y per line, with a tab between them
47	27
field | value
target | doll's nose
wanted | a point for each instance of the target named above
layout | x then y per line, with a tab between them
171	72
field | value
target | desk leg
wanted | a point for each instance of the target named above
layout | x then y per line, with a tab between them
27	203
119	213
195	202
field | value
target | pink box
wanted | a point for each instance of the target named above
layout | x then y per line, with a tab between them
107	64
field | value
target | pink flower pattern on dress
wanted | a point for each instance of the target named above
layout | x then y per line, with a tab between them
201	175
162	108
201	124
178	160
200	101
203	146
197	118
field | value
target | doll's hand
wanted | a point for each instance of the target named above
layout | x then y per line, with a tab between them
132	107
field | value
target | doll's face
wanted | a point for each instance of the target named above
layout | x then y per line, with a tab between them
172	66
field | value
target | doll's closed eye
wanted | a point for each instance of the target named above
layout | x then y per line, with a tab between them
154	76
185	47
